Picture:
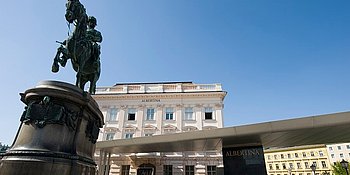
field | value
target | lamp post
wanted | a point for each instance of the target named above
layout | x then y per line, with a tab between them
290	170
345	165
313	168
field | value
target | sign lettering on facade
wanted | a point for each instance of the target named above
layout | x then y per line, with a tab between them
248	152
248	160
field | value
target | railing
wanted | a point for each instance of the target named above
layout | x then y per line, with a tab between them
149	88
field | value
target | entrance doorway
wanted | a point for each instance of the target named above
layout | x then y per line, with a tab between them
146	169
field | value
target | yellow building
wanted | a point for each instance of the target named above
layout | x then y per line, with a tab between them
297	160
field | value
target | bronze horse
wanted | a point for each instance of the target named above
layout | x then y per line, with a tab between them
78	48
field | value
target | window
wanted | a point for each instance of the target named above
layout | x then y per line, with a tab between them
211	170
167	170
208	113
288	155
298	165
150	114
339	147
277	167
269	157
332	155
347	146
306	164
188	114
112	114
148	134
125	169
189	170
324	165
320	153
284	166
312	153
110	136
296	155
330	148
304	154
291	165
314	163
270	166
275	156
131	114
129	135
341	155
169	114
282	156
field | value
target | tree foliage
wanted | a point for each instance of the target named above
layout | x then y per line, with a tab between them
338	169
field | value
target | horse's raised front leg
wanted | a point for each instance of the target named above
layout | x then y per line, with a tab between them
64	58
55	67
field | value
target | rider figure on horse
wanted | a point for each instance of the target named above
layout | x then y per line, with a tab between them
91	35
95	37
81	47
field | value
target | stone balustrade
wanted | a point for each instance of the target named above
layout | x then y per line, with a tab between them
154	88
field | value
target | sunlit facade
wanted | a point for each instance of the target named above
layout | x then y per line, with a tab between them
297	160
147	109
338	152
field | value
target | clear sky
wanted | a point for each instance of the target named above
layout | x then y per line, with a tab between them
277	59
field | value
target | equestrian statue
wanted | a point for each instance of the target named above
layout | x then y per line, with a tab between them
81	47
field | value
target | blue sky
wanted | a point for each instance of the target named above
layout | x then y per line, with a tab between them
277	59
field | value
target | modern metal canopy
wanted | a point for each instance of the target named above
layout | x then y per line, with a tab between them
321	129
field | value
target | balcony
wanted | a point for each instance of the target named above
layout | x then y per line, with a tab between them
158	88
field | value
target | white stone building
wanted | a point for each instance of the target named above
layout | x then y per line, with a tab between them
338	152
147	109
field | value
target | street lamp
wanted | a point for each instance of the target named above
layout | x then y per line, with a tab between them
290	170
313	168
345	164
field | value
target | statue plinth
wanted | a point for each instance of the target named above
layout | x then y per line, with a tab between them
58	132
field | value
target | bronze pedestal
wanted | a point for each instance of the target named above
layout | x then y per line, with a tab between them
58	132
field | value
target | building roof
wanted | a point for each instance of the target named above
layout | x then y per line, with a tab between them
170	82
321	129
294	148
156	88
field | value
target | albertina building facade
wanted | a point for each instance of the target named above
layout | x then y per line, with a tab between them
147	109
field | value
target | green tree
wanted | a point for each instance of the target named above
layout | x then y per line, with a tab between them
338	169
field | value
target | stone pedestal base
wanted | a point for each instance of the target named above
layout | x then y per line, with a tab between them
58	132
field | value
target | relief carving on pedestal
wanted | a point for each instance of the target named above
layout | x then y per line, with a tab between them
45	112
92	130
